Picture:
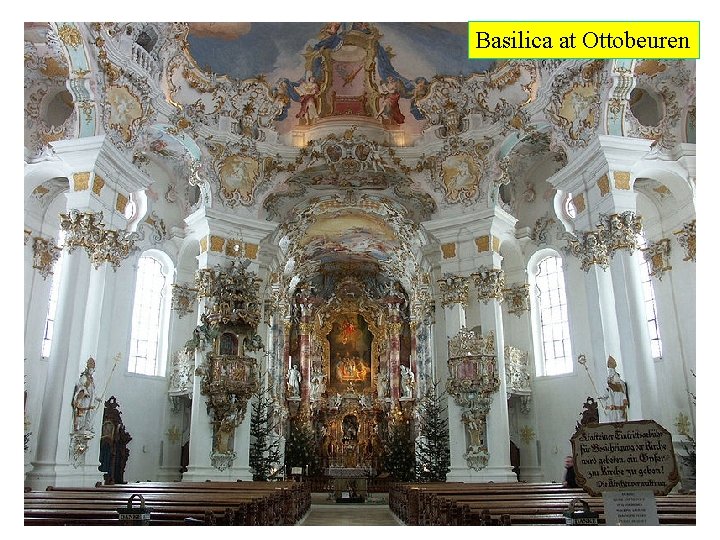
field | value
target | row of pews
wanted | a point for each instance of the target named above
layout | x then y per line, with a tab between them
516	503
172	503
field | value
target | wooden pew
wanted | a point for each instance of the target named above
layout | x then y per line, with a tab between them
510	503
246	503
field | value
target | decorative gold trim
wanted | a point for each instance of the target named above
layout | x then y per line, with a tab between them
622	179
527	435
658	255
98	184
45	253
86	230
394	328
203	244
448	250
454	290
482	243
234	248
120	203
70	36
490	283
604	184
517	373
305	328
517	299
81	181
251	250
686	238
216	243
183	299
579	203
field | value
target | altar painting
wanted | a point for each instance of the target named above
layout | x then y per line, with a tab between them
350	354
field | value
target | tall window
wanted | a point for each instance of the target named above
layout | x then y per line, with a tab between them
52	303
552	317
148	317
650	305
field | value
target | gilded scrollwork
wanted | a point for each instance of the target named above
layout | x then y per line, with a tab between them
590	249
232	294
614	232
472	365
517	299
686	239
454	290
181	374
475	420
459	168
517	374
45	254
541	230
574	105
156	225
228	382
658	255
86	230
490	284
184	298
620	231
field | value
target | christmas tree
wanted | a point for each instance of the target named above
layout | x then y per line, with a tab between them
264	445
300	447
400	451
433	445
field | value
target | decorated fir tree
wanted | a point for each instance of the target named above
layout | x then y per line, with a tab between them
264	445
400	451
300	447
432	447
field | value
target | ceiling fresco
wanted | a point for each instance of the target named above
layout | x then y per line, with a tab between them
346	136
338	68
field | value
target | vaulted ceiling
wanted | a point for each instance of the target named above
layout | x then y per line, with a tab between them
348	135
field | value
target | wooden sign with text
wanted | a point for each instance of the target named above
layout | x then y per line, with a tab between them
624	456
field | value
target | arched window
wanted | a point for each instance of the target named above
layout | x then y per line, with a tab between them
150	316
553	355
52	302
649	296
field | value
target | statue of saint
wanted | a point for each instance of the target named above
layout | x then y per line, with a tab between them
83	398
294	377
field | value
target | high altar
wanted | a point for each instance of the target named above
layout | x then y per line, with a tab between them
351	350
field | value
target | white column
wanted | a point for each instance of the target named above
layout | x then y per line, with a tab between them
636	362
498	468
52	464
454	321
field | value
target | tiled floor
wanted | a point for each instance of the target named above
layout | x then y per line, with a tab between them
324	511
350	514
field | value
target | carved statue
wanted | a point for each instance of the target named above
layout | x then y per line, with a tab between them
617	394
382	385
83	400
590	414
317	385
294	377
407	380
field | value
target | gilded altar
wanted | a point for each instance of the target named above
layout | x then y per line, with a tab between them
351	349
